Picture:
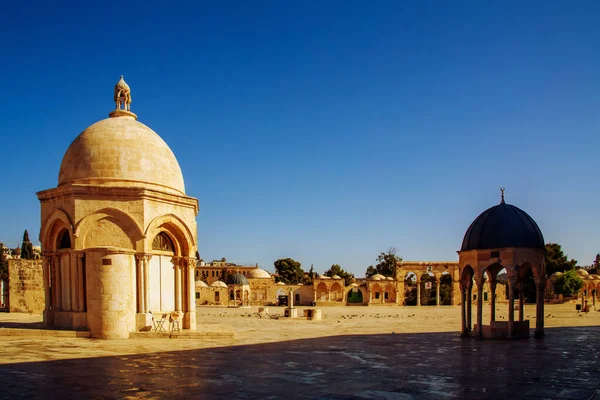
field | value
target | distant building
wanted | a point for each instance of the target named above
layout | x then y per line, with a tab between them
215	270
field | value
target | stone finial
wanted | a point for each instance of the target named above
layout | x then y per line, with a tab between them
122	95
122	99
502	194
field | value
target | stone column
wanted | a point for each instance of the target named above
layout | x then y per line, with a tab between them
328	294
463	310
480	307
47	283
418	292
540	285
57	283
315	294
521	300
139	290
178	286
437	292
401	293
455	286
511	307
189	318
493	283
72	282
469	304
146	264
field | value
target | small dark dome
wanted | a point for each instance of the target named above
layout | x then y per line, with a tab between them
503	226
237	279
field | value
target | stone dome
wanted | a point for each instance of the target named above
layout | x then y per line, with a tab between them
258	273
237	279
200	284
120	151
280	283
336	277
582	272
377	277
503	226
219	284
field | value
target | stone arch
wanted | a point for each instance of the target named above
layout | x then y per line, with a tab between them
107	227
322	291
377	293
178	231
390	292
56	222
337	292
356	295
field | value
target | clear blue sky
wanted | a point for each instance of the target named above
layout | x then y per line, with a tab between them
325	131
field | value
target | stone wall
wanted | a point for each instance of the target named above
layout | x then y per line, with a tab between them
26	286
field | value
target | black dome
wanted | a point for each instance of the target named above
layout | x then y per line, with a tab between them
503	226
237	279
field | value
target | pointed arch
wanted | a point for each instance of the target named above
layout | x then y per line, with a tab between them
108	227
56	222
179	232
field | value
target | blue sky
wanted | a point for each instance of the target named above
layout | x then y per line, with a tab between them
322	131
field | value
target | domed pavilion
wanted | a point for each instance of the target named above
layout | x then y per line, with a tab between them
118	232
502	237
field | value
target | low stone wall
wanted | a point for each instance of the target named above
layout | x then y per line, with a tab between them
26	286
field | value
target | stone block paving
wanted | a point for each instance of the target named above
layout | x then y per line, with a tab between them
564	365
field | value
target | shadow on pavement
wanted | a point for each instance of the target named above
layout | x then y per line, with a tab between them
424	366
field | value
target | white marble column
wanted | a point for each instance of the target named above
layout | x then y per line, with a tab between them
146	263
178	292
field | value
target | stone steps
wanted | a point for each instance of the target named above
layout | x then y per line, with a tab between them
43	333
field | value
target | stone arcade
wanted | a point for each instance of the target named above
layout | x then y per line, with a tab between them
118	232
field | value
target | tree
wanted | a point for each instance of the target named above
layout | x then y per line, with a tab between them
556	260
3	263
446	289
289	271
26	247
568	284
336	269
386	265
427	295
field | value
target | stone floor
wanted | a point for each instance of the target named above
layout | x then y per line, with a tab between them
329	359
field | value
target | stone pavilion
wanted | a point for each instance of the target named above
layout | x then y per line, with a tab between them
118	232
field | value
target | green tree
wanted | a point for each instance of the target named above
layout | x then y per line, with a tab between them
289	271
3	263
386	264
568	284
427	295
26	247
556	260
446	289
336	269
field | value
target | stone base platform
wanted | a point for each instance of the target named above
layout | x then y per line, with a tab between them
215	331
41	333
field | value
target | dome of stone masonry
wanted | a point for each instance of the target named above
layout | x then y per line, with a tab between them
200	284
582	272
219	284
503	226
259	273
120	151
377	277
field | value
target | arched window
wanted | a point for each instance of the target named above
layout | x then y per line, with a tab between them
163	242
63	240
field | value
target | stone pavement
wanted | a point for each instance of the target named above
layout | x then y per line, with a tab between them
401	365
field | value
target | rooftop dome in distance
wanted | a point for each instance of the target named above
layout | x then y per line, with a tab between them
581	272
377	277
280	283
237	279
258	273
503	226
324	277
200	284
119	151
336	277
218	284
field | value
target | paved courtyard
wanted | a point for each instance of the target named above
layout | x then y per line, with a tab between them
354	353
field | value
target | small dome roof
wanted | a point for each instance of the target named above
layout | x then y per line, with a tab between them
336	277
280	283
200	284
377	277
258	273
594	276
556	274
503	226
389	278
353	285
324	277
581	272
120	151
237	279
218	284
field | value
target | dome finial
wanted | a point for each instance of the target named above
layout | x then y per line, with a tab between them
122	100
502	194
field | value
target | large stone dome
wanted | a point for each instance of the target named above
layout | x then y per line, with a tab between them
120	151
503	226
